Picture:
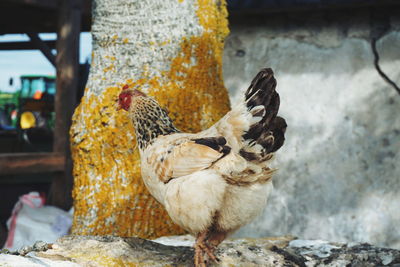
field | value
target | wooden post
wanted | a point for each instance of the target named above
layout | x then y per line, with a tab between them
67	62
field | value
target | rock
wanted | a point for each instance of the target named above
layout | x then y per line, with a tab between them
91	251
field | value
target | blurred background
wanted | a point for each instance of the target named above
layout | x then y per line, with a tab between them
337	63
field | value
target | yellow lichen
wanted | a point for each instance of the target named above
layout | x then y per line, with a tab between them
108	68
100	259
110	57
107	167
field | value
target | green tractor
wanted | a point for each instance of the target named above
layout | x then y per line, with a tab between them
30	107
27	116
36	102
29	112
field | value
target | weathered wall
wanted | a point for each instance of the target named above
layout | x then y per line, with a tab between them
339	175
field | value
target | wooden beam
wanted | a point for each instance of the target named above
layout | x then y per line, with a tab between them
67	61
51	4
42	46
21	163
24	45
16	18
256	6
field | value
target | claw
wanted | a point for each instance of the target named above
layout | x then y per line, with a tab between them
210	252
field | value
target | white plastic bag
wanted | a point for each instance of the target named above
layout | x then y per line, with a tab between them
31	221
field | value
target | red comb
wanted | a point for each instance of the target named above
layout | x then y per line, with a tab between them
125	87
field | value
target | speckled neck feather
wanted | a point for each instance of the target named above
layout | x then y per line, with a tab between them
150	121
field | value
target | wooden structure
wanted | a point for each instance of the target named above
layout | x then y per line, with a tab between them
67	18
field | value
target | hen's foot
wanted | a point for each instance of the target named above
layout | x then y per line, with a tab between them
210	251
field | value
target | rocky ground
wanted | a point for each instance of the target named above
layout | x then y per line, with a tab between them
176	251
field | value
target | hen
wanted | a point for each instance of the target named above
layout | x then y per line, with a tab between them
215	181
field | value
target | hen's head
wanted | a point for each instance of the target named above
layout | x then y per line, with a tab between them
127	98
149	119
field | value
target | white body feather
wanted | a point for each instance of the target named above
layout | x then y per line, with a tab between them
229	191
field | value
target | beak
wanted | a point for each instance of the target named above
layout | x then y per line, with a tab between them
117	106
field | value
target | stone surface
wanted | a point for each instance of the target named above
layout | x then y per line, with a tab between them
339	169
72	251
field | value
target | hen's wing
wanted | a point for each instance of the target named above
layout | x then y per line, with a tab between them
187	156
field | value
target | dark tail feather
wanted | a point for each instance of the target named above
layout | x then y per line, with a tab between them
269	131
278	129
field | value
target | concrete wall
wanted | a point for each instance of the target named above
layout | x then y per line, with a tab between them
339	170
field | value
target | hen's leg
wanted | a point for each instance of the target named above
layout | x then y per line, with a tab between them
198	250
215	238
201	247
